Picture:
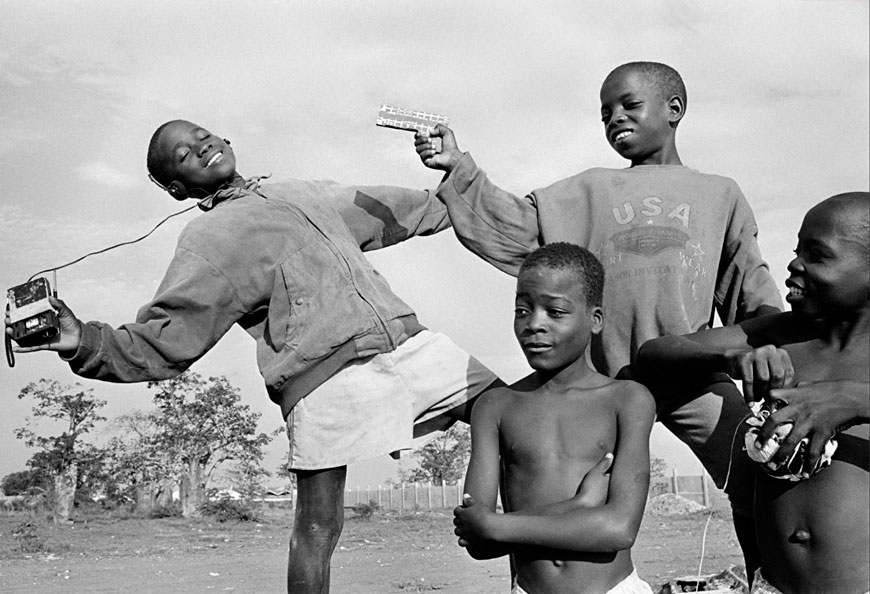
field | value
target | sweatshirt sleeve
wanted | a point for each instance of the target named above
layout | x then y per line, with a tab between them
194	306
381	216
745	284
496	225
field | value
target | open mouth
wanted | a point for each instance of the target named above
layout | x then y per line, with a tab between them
794	291
620	136
215	158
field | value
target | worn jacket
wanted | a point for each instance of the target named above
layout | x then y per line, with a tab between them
284	261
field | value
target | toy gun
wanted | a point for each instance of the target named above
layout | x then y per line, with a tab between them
406	119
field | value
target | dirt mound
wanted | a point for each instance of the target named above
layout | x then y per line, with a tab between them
669	504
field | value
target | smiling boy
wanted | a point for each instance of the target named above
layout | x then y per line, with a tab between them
678	245
354	372
543	434
812	522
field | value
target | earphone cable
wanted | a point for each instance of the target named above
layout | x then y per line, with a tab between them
111	247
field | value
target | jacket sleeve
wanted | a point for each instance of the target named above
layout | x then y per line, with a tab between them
381	216
496	225
745	287
194	306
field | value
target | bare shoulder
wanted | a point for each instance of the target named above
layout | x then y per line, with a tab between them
633	397
493	402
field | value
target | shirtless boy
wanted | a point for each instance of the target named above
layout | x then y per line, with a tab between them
812	522
539	437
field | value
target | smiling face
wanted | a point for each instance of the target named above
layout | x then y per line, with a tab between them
830	274
552	320
192	155
639	122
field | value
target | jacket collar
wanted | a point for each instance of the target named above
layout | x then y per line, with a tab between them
228	192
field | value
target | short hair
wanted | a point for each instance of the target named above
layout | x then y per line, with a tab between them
561	255
156	162
666	80
852	210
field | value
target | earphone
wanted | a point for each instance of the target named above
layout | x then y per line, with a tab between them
178	190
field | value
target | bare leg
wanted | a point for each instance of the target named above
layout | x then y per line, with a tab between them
318	524
709	419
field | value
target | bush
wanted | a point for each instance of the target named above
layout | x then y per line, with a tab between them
226	509
172	510
365	511
29	539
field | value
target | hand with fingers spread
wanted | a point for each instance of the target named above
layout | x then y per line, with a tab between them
818	411
445	159
761	370
66	341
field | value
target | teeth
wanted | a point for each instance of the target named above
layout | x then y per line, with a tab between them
622	135
214	159
795	291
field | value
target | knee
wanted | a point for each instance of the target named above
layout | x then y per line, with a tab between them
323	530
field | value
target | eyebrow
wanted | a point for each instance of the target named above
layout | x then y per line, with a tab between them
180	142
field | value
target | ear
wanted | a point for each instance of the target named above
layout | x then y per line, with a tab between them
177	190
676	110
597	315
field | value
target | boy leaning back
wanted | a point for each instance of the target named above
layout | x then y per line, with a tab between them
677	244
812	522
354	372
539	437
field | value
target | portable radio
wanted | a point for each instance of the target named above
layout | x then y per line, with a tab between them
31	316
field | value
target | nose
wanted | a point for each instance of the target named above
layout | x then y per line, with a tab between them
616	119
796	265
204	147
536	323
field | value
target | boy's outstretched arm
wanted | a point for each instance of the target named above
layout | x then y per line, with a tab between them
747	351
496	225
606	528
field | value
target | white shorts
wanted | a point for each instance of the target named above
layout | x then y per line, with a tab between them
380	404
632	584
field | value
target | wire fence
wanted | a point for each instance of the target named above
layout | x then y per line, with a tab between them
418	496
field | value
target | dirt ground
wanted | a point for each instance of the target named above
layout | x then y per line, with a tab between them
389	553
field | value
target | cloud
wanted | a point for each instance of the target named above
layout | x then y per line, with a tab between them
105	174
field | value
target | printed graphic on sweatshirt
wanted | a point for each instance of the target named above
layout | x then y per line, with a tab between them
653	232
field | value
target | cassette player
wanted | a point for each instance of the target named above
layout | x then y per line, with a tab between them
32	318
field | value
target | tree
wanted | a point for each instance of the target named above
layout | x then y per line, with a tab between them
60	455
199	426
24	482
657	467
144	472
444	459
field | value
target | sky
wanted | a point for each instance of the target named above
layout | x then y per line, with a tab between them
777	99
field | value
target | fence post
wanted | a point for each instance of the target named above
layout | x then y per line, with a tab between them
415	495
379	495
443	494
402	500
676	489
429	495
704	492
392	488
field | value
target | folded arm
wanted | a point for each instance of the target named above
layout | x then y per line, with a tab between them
608	527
